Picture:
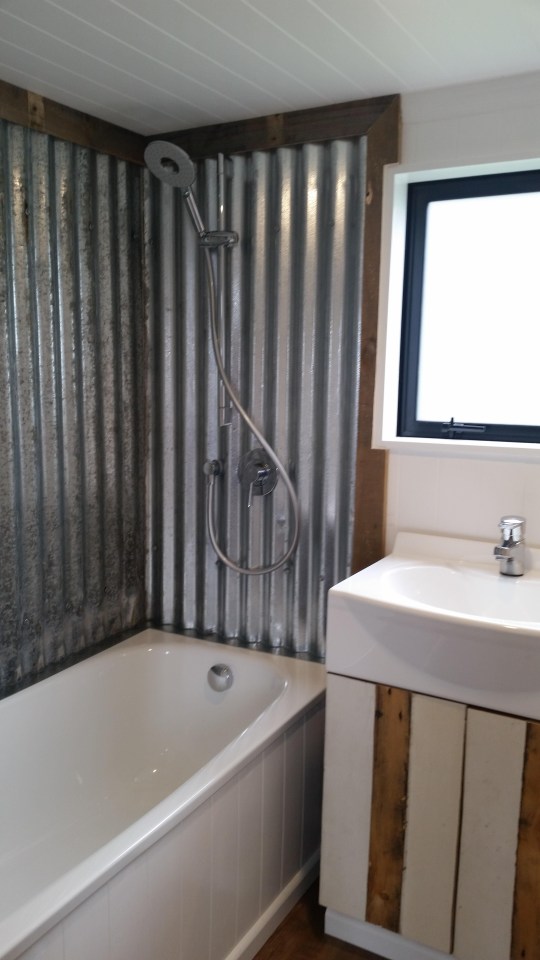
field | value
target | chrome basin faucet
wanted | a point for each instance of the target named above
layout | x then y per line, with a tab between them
511	550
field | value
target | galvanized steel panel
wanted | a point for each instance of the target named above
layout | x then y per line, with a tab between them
80	388
292	332
72	392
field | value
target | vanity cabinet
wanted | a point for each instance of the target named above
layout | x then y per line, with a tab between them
431	821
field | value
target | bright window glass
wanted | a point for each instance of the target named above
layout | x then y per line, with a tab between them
480	320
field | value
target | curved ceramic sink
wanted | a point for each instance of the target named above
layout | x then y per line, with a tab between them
437	617
472	592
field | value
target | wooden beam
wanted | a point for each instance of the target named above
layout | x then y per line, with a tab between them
526	917
388	807
38	113
370	495
338	121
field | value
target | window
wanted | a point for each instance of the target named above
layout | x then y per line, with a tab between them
469	364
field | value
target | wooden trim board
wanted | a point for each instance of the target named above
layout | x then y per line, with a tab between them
38	113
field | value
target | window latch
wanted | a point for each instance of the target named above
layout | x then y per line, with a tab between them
453	428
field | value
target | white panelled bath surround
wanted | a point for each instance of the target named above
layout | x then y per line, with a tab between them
144	814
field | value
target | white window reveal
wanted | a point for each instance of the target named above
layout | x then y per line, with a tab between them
462	358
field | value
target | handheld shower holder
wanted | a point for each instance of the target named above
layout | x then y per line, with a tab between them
218	238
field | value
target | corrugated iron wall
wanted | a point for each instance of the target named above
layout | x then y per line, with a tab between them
292	317
86	392
72	396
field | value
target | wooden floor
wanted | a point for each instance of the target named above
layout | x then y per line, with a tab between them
301	936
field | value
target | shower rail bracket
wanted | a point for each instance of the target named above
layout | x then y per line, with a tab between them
213	468
218	238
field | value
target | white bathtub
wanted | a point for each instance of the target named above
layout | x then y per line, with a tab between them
144	816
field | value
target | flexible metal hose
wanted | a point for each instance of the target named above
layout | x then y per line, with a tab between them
210	506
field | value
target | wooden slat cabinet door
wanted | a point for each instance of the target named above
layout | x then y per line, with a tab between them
431	821
391	808
498	889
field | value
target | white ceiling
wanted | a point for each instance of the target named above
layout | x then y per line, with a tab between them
160	65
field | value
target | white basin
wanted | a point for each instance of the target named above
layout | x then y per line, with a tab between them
437	617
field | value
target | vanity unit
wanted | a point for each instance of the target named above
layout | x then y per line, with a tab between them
431	814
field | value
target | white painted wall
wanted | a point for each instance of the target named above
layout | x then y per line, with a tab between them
479	122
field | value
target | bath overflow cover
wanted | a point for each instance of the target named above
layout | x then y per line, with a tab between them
220	677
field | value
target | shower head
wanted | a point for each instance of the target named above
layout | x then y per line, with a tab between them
170	164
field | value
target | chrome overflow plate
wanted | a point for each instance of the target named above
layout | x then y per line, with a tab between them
257	474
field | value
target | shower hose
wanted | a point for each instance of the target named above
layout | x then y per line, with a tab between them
210	501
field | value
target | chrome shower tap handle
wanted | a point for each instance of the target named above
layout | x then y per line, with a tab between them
259	482
256	474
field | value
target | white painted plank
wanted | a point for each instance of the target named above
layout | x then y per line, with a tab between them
348	776
224	898
86	930
136	48
433	821
272	821
130	929
166	871
250	794
48	947
494	755
196	884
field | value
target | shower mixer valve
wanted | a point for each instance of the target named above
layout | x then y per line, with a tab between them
257	485
257	474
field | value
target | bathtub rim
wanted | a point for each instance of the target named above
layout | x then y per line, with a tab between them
302	696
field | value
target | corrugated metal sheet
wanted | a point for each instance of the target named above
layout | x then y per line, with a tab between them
80	387
72	401
292	319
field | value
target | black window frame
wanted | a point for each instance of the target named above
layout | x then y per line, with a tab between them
420	194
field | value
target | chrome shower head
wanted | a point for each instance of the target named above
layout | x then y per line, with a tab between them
170	164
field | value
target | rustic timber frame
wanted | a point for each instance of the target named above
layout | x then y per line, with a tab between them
378	119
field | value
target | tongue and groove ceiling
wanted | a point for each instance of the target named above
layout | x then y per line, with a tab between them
157	65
